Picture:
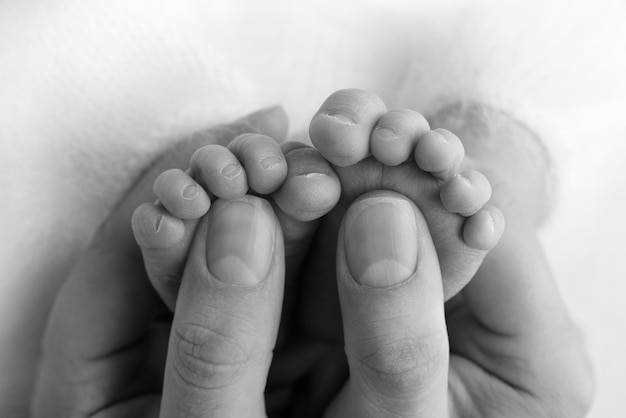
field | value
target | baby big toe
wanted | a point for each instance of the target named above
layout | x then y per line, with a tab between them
466	193
393	140
164	241
181	195
263	161
439	152
311	188
341	128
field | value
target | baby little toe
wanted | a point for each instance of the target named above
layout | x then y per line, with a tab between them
164	241
154	227
484	229
393	140
341	128
263	161
439	152
466	193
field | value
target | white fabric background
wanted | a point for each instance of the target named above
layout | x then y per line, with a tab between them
91	91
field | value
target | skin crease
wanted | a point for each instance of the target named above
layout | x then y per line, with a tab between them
83	95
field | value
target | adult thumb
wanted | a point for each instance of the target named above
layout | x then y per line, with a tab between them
392	303
227	314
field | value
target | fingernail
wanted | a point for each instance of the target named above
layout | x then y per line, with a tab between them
270	162
386	134
190	192
231	171
240	242
381	241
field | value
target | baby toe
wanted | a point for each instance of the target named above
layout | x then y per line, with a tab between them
220	171
466	193
155	228
181	195
341	128
164	241
439	152
484	229
311	188
393	140
263	161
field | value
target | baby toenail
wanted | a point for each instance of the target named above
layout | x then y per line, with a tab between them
386	134
465	180
240	242
270	162
341	118
191	192
231	171
381	241
490	222
157	223
312	174
439	136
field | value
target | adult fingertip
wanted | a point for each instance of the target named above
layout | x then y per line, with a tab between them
381	254
240	241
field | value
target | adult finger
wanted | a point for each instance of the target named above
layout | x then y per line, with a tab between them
392	304
227	314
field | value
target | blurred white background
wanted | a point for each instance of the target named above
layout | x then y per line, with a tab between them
90	86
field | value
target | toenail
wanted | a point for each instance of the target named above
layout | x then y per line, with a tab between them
270	162
490	222
157	223
191	192
231	171
381	241
240	242
439	136
465	180
386	134
311	174
341	118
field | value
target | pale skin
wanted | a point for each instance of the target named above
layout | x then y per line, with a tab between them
399	369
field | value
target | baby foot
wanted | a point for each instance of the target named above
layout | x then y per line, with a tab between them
408	158
297	179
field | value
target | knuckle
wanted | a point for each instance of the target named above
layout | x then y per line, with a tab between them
207	358
410	365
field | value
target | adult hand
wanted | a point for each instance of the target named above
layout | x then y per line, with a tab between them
505	347
104	347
